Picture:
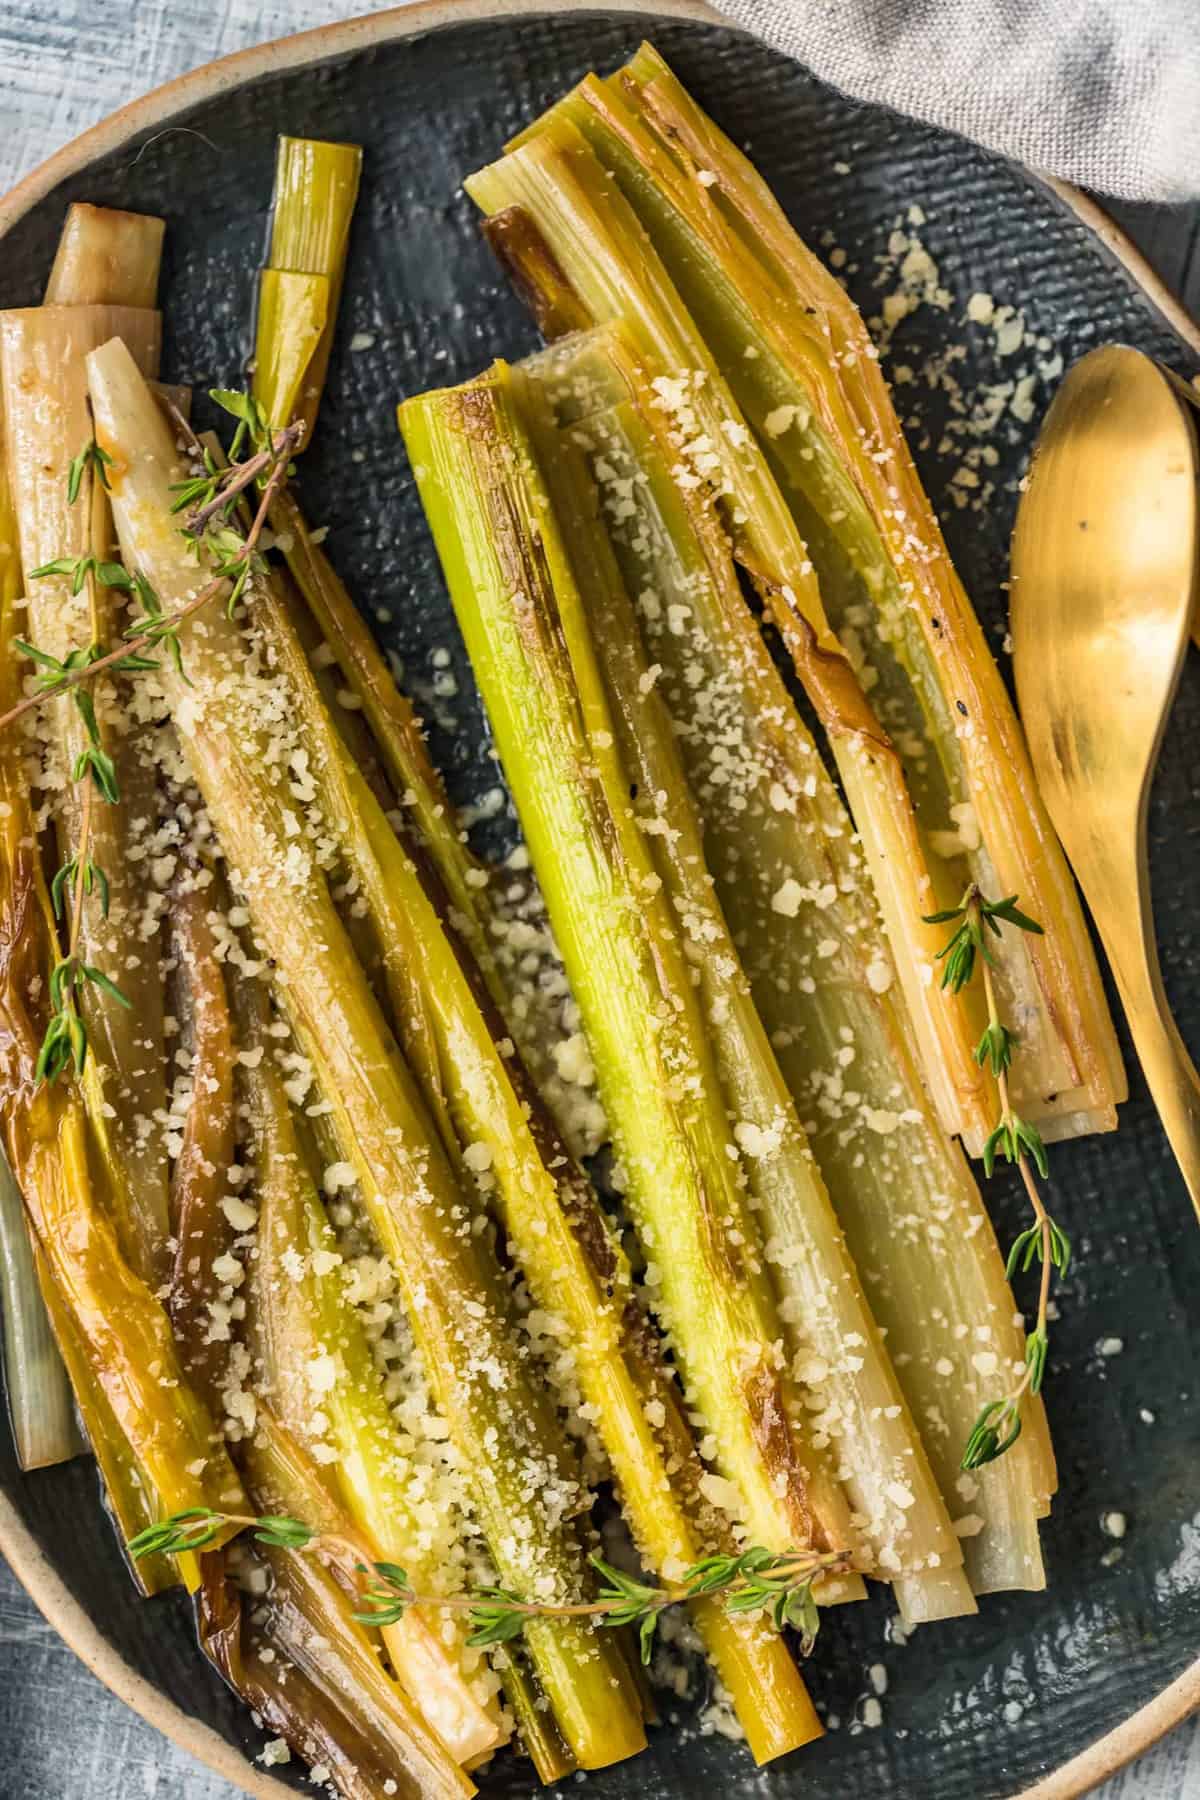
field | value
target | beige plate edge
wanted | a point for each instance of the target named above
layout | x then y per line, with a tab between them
43	1585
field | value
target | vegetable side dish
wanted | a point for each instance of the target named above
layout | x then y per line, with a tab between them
447	1436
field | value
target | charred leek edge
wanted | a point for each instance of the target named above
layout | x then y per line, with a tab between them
511	1449
47	425
518	607
781	848
574	1264
604	256
308	1711
316	186
300	1320
794	349
344	1658
831	1333
117	1323
106	258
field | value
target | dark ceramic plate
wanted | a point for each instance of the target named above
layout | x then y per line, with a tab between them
978	1708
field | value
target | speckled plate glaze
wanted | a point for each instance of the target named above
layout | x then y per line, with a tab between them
1011	1702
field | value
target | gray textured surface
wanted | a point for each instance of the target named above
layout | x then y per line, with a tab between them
1102	92
61	1737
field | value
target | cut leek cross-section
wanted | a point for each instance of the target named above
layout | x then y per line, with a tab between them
316	186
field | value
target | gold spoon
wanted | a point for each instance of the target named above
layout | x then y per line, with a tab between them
1104	580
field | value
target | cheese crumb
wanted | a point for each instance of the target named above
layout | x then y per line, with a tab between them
241	1215
787	897
879	976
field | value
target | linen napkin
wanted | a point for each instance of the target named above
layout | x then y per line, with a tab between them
1105	93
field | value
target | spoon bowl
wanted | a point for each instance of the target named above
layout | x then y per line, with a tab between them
1104	586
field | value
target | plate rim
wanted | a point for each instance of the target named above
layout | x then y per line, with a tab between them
1174	1703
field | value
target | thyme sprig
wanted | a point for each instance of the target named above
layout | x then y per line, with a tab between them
977	918
234	559
65	1041
93	458
756	1580
967	950
214	493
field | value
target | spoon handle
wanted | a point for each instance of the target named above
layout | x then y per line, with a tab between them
1170	1073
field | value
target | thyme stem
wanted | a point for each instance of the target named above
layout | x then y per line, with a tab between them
144	640
82	853
242	476
999	1423
1042	1217
751	1581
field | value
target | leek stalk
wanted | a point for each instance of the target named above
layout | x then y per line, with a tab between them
131	1499
799	362
155	1444
316	186
518	607
39	1385
316	1362
574	1264
839	1358
523	1488
47	424
790	880
602	252
118	1325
